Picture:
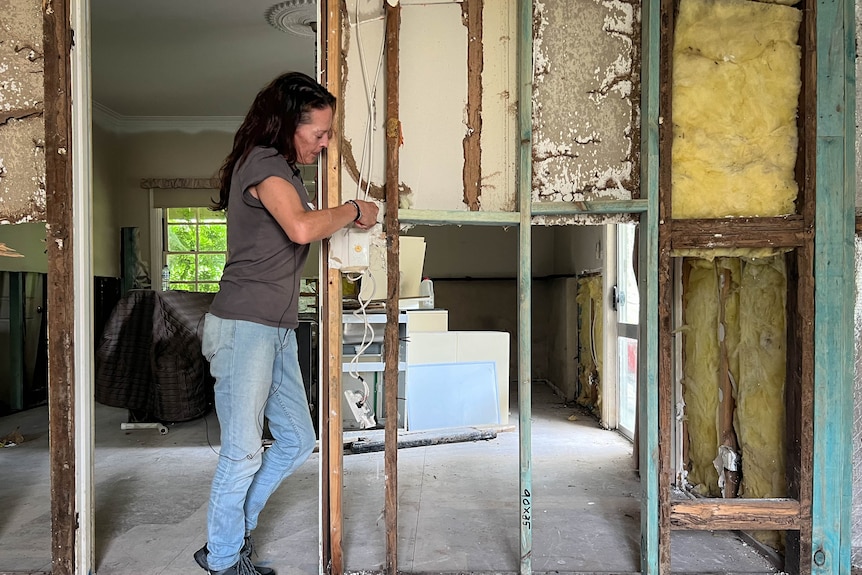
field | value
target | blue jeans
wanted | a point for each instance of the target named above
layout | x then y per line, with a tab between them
256	368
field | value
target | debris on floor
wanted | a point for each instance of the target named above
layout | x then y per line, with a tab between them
12	439
375	442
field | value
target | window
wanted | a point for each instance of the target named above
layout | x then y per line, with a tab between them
196	241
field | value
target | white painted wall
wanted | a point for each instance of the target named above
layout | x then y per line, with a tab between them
433	96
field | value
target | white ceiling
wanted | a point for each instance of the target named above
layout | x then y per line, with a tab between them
188	57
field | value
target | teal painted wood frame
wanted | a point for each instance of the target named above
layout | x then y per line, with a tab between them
648	208
648	265
525	188
449	217
834	288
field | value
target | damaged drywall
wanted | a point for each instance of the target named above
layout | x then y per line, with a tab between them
586	93
22	129
457	69
458	87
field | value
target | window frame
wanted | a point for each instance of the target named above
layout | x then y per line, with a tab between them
197	223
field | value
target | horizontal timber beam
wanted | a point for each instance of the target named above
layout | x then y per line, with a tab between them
443	217
458	217
736	514
590	207
781	232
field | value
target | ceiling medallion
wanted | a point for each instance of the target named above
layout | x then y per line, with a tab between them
297	17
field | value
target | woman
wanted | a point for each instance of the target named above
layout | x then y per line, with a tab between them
249	334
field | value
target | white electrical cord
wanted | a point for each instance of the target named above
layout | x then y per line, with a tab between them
371	100
367	332
367	154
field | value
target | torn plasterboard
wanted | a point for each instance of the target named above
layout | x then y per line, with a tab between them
585	100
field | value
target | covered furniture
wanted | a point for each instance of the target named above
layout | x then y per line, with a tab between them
148	359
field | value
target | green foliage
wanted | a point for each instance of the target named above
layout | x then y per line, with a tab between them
181	238
197	248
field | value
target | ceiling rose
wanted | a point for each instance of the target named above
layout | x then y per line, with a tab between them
297	17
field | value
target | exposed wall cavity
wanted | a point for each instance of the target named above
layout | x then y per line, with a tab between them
22	129
586	92
590	339
734	336
458	115
736	84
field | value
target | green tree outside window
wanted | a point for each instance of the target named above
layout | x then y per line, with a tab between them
196	242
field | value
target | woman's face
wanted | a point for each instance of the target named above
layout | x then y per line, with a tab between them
312	136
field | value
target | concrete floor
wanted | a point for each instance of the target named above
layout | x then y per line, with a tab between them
458	503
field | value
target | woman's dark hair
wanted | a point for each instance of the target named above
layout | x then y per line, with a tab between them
272	120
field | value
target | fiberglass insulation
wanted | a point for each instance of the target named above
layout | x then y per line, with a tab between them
755	335
736	83
700	366
590	331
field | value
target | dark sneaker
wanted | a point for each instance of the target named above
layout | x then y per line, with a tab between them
243	567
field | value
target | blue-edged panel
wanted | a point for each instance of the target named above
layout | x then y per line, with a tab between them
452	395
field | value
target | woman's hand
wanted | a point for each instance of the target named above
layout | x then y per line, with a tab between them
368	214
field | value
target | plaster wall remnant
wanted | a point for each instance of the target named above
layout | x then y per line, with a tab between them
22	128
586	91
457	113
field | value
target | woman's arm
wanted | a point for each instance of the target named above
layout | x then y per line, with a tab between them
281	199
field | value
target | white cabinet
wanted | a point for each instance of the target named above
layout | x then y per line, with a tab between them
424	340
370	365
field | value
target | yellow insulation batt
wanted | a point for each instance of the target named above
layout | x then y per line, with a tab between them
736	83
755	338
760	411
591	333
700	365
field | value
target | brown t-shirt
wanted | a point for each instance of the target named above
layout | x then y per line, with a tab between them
261	277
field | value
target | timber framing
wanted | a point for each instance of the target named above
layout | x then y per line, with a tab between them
331	432
783	232
793	515
61	292
472	172
736	514
391	344
815	516
665	287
